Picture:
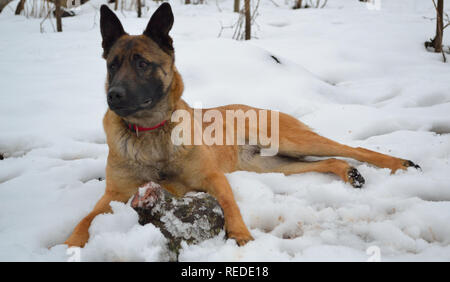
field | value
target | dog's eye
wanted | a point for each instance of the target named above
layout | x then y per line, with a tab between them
113	67
142	65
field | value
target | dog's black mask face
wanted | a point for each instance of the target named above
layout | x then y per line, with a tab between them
140	68
135	82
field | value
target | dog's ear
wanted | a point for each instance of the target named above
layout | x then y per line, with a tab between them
159	26
110	27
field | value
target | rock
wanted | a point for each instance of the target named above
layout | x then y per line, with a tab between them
193	218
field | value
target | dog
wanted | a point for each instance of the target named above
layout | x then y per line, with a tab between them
143	90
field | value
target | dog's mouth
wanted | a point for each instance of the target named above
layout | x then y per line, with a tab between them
124	111
146	103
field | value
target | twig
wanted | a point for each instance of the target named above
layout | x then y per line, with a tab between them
275	3
222	27
238	33
48	16
317	5
95	16
218	7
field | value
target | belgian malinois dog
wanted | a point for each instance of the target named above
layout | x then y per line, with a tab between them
144	88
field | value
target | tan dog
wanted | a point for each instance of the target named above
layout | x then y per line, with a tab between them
143	91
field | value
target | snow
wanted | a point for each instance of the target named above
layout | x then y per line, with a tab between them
357	75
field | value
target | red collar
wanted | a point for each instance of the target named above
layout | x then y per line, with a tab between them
137	128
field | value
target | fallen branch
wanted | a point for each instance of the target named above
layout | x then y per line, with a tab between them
192	218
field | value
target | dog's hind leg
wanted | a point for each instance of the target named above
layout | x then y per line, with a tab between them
296	141
289	166
339	167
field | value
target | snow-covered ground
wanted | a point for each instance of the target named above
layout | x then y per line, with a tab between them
357	75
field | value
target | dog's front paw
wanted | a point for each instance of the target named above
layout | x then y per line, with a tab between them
241	239
77	240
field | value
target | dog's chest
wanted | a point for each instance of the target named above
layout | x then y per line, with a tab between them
150	157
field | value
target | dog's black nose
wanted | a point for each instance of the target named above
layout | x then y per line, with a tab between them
116	95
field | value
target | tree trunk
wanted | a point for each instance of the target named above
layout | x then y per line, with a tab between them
237	6
116	5
298	4
139	8
19	7
58	15
439	27
3	4
187	2
248	20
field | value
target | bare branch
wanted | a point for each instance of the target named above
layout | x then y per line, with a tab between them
275	3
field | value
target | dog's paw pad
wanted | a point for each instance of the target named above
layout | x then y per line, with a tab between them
411	164
355	178
242	239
